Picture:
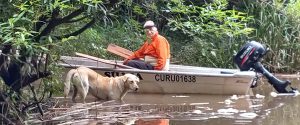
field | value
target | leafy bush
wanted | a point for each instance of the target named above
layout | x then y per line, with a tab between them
279	30
213	32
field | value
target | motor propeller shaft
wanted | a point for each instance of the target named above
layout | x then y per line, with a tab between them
281	86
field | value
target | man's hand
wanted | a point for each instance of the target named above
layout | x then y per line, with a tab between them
125	61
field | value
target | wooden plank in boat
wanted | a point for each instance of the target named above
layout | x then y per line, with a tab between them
103	60
125	53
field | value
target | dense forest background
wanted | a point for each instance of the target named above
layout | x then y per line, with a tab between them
35	33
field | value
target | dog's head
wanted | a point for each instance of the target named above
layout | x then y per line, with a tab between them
130	82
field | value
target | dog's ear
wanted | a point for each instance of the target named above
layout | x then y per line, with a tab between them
124	78
137	79
133	77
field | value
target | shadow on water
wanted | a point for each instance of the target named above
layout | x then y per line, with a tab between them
171	109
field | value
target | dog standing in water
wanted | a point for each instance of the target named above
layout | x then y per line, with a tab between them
86	80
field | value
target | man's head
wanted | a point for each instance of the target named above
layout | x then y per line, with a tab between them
150	28
149	24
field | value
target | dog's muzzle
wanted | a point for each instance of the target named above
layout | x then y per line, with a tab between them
136	89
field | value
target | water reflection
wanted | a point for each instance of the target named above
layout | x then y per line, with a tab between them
171	109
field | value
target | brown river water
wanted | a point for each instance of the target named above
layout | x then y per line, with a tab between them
180	109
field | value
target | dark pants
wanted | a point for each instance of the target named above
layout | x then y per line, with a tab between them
139	64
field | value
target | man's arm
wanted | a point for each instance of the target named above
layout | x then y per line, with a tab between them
162	53
139	53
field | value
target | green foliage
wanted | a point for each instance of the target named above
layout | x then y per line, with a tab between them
88	42
209	32
280	31
14	32
34	28
293	9
139	11
213	32
6	10
212	19
20	28
208	54
94	41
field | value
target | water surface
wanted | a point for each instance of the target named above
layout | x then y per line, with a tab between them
181	109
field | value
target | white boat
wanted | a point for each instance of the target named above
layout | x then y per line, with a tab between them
179	79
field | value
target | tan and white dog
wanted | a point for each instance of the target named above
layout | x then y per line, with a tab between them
86	80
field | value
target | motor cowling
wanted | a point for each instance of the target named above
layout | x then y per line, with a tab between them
249	54
249	57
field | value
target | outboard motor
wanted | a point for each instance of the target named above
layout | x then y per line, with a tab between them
250	56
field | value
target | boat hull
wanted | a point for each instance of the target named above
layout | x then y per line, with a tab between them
180	79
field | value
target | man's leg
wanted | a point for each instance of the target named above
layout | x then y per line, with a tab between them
140	64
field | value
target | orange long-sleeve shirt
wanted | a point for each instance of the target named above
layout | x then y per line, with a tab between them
158	48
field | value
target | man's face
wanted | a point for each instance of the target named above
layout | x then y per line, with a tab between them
149	32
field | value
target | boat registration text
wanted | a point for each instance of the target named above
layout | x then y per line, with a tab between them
174	78
158	77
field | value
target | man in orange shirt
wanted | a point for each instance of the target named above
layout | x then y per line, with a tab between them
155	52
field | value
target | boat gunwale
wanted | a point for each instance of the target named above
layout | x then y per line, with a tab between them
250	74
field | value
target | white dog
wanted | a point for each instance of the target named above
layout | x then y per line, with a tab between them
86	80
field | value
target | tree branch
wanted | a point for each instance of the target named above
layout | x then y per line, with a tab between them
76	20
51	25
42	21
6	120
54	21
78	31
71	15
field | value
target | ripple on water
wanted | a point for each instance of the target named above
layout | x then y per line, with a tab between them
249	115
228	111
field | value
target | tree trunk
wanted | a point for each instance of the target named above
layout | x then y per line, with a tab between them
10	71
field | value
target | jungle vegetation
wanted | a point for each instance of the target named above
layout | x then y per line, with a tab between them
35	33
